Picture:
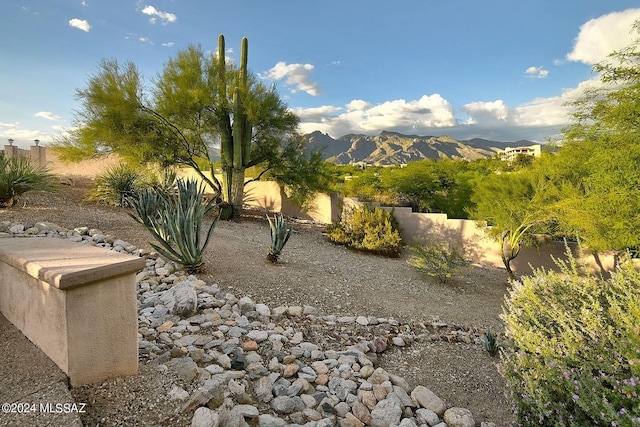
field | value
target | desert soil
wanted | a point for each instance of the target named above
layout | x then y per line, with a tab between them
313	272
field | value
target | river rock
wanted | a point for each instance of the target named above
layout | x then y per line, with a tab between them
459	417
181	300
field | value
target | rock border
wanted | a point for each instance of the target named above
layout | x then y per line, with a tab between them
271	367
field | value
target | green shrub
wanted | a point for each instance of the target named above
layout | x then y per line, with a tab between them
116	185
436	259
372	230
573	348
175	220
18	176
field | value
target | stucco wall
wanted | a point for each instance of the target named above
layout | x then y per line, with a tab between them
478	247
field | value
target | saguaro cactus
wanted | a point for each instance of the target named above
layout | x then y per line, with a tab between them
236	129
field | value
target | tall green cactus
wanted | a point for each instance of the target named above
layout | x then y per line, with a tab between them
235	128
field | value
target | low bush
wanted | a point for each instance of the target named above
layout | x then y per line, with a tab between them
117	185
436	259
573	348
19	175
372	230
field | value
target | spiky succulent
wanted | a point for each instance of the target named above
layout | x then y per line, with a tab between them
490	343
176	221
280	233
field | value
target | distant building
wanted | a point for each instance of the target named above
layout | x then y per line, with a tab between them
510	153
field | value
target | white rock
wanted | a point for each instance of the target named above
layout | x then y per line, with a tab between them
459	417
425	398
205	417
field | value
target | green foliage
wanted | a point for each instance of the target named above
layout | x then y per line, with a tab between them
280	233
302	173
371	230
572	356
600	157
19	175
176	220
116	185
197	100
490	344
516	206
436	260
439	186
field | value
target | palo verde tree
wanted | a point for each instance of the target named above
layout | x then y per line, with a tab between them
195	104
600	157
515	206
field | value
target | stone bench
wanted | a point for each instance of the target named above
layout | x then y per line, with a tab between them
77	303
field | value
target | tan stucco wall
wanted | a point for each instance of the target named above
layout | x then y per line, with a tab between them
268	195
88	168
77	303
478	247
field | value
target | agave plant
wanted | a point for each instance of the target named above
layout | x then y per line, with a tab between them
490	343
175	221
280	233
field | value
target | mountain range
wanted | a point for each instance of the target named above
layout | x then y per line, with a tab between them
392	148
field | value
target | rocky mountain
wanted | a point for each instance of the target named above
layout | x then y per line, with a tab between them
390	148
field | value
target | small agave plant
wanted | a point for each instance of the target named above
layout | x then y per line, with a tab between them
280	233
490	343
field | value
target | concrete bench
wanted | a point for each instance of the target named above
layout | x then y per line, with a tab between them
77	303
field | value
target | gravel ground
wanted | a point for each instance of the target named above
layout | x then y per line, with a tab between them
311	272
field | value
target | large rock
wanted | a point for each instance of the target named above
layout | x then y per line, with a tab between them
185	367
181	300
427	399
459	417
426	416
386	413
205	417
238	415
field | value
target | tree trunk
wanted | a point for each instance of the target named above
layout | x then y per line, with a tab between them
506	259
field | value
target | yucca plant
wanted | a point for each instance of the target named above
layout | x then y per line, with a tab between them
19	175
117	185
280	233
175	220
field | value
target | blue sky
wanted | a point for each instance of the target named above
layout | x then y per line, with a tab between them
491	69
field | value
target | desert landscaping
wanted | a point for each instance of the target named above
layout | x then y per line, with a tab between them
319	296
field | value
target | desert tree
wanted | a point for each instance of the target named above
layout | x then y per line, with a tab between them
600	157
197	103
515	206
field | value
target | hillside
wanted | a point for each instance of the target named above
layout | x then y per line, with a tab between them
391	148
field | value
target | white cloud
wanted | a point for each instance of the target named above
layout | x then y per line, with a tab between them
493	113
601	36
81	24
48	115
297	75
168	44
22	137
358	105
537	72
536	120
359	116
166	17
